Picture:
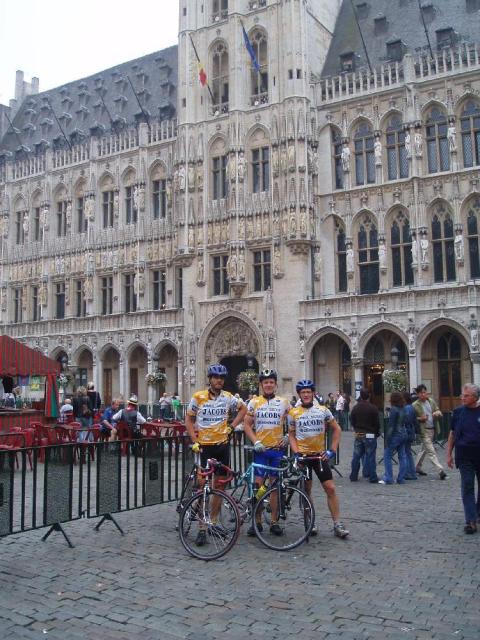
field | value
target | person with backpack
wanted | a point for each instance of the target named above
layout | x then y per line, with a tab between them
395	439
82	412
132	417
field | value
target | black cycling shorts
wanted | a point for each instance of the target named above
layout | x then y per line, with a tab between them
221	453
322	472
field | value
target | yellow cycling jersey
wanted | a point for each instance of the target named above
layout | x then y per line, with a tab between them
309	427
211	415
268	417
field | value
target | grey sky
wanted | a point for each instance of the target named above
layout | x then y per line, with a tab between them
59	41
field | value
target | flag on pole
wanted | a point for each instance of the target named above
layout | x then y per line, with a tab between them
250	50
202	76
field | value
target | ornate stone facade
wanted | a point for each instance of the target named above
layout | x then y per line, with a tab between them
317	223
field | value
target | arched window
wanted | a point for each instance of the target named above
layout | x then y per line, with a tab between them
259	79
368	257
375	351
341	259
470	127
337	158
473	218
401	247
402	354
397	160
20	213
220	77
437	144
219	10
131	213
364	155
61	210
449	356
443	246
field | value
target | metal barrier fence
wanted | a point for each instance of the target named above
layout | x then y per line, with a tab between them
51	485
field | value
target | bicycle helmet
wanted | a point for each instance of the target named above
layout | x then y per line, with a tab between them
304	384
217	370
267	373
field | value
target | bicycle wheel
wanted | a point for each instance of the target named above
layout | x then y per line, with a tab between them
221	532
240	496
308	516
189	489
295	519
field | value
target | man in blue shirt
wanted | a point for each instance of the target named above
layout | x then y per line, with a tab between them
465	439
108	426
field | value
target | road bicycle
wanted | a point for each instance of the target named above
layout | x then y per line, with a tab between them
205	508
281	503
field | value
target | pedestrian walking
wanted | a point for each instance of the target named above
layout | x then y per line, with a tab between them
395	439
464	437
428	413
411	426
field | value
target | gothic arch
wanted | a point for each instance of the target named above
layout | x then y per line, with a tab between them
393	211
80	186
356	122
60	191
157	170
19	203
106	181
465	203
252	132
106	347
372	331
425	332
210	347
431	104
356	218
129	175
217	144
78	352
386	117
465	97
320	333
36	197
162	344
131	348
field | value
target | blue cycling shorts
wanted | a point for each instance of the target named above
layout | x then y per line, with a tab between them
270	457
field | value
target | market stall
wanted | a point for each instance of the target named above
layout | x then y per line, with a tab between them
18	360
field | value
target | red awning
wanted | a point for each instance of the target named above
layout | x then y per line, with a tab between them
16	359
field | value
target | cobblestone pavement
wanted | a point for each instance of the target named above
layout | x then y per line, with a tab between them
406	571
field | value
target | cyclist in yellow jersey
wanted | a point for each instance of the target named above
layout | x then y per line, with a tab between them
208	410
263	425
306	430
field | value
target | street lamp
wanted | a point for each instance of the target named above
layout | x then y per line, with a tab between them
250	359
394	354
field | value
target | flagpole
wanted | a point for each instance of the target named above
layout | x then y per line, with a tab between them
199	62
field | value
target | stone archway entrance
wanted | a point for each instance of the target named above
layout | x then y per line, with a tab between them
235	365
230	342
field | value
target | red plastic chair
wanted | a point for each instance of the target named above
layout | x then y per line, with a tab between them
125	437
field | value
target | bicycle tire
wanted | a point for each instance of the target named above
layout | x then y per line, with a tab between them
220	536
240	495
307	515
296	526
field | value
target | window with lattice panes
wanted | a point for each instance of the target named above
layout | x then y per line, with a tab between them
367	242
82	222
341	260
443	248
18	304
260	169
262	270
220	76
159	198
397	159
337	158
61	218
159	286
220	275
470	130
219	10
401	251
35	304
108	198
364	155
80	300
36	224
473	225
130	211
19	230
107	295
259	79
59	289
130	297
438	154
219	177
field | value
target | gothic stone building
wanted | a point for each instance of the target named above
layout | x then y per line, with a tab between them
318	212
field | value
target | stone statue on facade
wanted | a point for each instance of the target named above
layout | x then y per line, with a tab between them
26	223
350	260
241	166
424	250
459	247
276	262
408	144
418	142
241	266
377	151
88	288
345	158
452	137
382	256
232	268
